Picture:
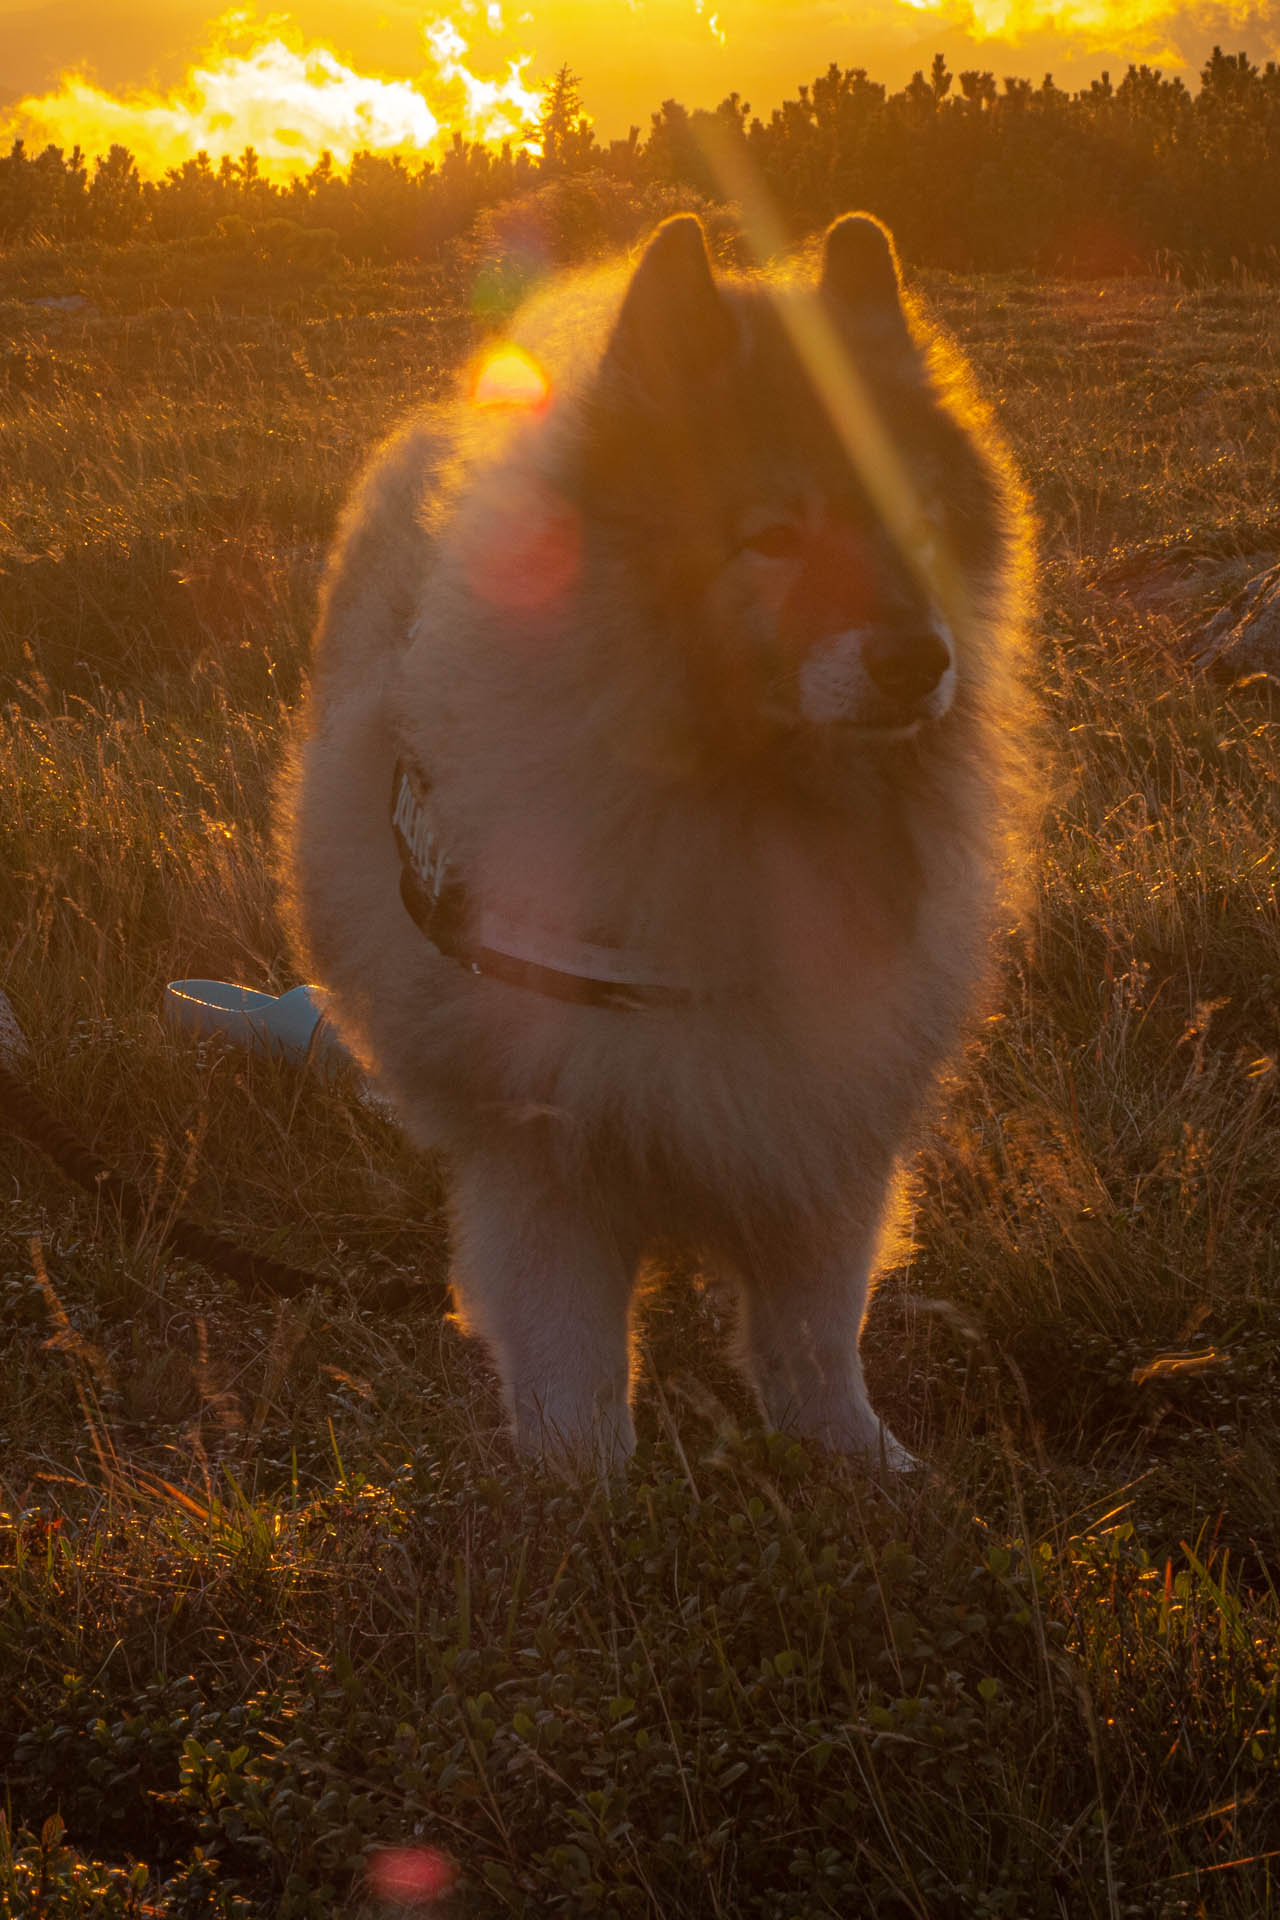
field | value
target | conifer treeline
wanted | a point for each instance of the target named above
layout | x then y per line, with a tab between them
971	173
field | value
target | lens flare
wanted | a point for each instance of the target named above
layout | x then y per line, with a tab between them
410	1876
288	99
511	378
850	403
523	553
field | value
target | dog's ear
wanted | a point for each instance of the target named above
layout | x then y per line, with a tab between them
860	271
673	325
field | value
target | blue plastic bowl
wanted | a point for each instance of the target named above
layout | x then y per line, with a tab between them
292	1025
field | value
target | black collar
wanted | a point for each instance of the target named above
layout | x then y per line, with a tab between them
519	954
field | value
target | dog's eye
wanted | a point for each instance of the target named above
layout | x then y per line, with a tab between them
776	542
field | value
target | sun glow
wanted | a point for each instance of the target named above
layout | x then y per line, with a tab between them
290	100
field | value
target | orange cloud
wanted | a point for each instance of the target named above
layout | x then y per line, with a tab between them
268	88
1140	29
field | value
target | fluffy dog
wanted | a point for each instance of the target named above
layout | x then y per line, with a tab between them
659	776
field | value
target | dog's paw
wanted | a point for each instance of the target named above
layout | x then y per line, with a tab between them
576	1443
890	1455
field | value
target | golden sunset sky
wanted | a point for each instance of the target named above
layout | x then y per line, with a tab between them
389	70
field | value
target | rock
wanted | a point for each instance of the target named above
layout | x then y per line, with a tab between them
14	1050
1243	638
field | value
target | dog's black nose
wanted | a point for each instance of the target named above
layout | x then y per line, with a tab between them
906	666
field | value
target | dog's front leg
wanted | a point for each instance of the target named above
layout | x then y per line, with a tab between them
541	1276
802	1309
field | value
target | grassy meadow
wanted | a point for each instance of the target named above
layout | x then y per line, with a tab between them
273	1591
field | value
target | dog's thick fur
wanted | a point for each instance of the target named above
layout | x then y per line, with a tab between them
672	678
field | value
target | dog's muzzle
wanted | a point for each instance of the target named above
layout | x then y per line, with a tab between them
883	681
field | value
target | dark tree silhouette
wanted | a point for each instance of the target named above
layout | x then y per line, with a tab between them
1136	175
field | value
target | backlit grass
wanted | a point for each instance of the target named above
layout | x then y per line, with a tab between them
273	1592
